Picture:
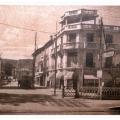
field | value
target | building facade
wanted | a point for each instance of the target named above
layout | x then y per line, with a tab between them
77	46
43	64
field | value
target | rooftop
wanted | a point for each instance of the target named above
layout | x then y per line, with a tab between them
83	14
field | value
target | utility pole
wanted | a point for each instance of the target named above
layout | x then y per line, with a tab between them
100	55
34	57
55	40
80	65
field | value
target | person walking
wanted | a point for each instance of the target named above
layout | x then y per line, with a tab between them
75	78
19	83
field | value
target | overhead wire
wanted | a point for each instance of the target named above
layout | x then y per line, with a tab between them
26	28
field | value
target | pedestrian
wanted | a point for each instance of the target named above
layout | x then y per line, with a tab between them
75	78
61	82
19	83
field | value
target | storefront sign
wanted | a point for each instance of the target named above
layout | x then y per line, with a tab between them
108	54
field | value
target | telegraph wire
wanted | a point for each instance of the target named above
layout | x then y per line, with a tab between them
26	28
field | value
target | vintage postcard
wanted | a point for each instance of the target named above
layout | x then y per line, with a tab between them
59	60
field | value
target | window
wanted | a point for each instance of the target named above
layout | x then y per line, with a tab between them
108	38
42	68
47	63
90	37
72	37
71	59
89	60
108	62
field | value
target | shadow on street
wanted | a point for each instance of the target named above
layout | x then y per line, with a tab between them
46	100
17	99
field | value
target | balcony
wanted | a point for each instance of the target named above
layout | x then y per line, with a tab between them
109	46
89	12
95	26
76	45
82	45
38	73
89	26
70	27
73	45
91	45
79	26
112	28
84	12
71	13
113	46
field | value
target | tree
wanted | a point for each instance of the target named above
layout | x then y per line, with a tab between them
8	69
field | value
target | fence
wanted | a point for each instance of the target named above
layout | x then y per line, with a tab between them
93	92
110	93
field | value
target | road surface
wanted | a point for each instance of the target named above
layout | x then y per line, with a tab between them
42	101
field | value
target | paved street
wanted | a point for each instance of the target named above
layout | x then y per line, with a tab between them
42	101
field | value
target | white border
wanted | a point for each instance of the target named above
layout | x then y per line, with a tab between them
60	117
60	2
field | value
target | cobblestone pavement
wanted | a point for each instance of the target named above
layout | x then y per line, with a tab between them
42	101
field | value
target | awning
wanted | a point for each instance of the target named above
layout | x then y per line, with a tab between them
90	77
68	75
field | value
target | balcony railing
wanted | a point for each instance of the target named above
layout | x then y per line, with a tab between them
73	12
81	11
89	26
79	26
111	28
113	46
70	13
83	45
38	73
73	45
89	12
106	27
91	45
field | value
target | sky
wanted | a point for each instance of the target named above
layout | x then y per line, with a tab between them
17	43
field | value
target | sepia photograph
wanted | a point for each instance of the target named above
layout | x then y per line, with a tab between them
59	60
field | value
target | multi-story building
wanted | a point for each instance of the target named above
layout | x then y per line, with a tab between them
77	45
43	63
